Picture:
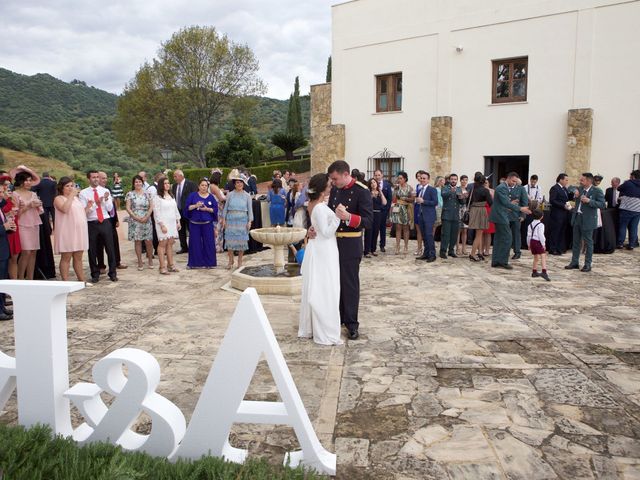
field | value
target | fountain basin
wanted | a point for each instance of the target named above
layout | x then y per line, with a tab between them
267	280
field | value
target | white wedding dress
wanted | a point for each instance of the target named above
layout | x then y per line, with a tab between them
320	306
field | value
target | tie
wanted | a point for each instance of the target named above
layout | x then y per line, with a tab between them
179	195
96	199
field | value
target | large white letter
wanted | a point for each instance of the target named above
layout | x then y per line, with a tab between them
41	365
222	404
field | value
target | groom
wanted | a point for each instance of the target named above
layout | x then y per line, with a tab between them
351	201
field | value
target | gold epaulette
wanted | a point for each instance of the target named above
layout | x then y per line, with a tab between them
362	185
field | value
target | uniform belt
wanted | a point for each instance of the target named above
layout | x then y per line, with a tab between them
348	234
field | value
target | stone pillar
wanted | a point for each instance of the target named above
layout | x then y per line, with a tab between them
327	140
440	146
579	129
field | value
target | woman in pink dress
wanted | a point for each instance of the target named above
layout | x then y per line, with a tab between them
29	211
71	237
10	211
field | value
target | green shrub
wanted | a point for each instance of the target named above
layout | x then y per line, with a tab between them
35	455
263	172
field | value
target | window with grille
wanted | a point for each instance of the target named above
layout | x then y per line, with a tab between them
509	80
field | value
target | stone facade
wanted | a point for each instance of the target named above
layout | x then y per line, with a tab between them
579	130
327	140
440	146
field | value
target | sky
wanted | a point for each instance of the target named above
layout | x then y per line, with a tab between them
105	42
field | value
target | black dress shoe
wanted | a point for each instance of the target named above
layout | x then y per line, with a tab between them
181	251
353	335
545	276
619	247
453	255
382	249
586	268
502	265
443	255
422	257
572	267
628	247
535	274
4	316
431	259
516	256
94	279
113	278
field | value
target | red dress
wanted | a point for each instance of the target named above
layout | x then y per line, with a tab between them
492	226
14	238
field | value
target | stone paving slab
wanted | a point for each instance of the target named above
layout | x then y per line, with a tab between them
461	372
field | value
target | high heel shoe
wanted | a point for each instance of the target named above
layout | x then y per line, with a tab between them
163	271
172	268
398	250
473	259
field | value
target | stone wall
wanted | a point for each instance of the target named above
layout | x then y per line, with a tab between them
579	129
327	140
440	149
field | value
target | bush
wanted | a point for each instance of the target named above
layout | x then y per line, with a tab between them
35	454
263	172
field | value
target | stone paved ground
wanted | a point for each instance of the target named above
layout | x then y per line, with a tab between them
462	372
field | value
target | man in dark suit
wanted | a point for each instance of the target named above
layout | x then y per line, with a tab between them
612	196
502	206
585	220
46	190
181	189
450	217
6	226
427	201
385	187
560	215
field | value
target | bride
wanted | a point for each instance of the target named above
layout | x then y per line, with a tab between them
320	308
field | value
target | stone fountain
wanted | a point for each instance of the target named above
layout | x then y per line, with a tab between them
272	279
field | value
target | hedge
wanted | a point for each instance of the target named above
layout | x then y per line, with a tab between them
35	454
262	172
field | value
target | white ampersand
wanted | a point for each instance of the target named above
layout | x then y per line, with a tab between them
134	394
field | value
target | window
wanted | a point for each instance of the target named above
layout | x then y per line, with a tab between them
389	92
388	166
509	80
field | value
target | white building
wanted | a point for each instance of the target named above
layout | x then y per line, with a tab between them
508	73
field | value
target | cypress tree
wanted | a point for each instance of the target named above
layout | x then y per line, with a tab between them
294	115
328	79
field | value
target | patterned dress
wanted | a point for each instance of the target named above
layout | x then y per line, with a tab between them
237	213
140	204
399	213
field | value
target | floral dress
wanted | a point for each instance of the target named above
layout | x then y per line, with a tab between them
140	204
399	210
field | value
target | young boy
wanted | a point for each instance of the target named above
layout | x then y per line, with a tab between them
536	242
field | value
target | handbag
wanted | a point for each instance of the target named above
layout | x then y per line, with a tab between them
466	215
395	208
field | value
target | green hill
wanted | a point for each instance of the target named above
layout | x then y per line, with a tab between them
72	122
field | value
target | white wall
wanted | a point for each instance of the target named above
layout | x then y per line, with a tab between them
582	53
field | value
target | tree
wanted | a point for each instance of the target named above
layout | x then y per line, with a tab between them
237	147
288	142
328	78
177	99
292	138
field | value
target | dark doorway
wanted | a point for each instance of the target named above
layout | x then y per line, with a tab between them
499	166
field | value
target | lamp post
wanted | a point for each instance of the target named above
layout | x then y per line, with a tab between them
636	161
166	154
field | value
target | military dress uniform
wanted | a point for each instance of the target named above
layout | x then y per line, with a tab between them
356	197
584	221
519	193
501	216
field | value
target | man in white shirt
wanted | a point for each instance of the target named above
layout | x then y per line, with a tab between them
145	184
534	192
99	201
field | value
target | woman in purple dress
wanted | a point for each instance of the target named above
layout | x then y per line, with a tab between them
201	208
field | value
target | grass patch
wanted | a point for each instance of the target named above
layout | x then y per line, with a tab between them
35	454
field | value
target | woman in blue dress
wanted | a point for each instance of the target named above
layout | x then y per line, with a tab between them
201	208
236	220
277	200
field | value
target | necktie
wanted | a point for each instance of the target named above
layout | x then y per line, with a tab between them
179	195
96	199
615	198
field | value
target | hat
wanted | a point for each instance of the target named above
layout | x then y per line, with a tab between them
21	168
4	178
216	170
598	177
236	175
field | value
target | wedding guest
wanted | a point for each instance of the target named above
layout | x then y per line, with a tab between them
559	197
167	218
139	206
428	202
385	188
612	195
115	223
416	213
7	226
402	211
589	200
117	192
629	210
439	183
236	220
486	234
201	208
534	192
29	211
71	237
46	191
218	193
276	198
450	217
479	198
371	234
98	203
181	189
143	175
291	198
463	196
536	242
10	209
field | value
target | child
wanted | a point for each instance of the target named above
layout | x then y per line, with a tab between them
536	242
299	254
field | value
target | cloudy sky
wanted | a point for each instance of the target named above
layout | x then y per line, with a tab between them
105	42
